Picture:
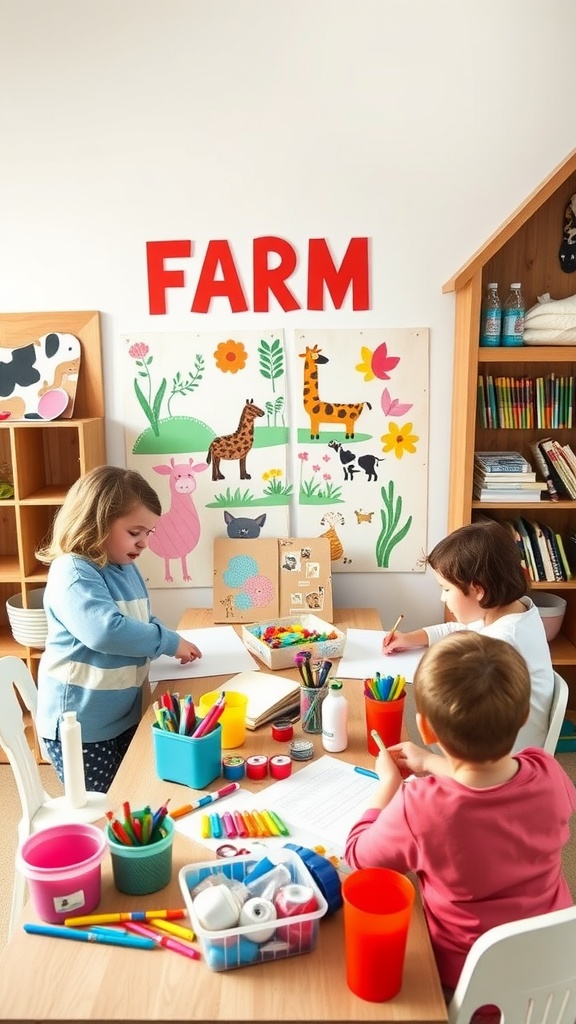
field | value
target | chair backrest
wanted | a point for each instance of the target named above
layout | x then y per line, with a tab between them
15	678
557	712
526	968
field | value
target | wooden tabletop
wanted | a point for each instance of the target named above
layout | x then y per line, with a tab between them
46	979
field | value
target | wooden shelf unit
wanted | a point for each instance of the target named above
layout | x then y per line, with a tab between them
525	248
45	458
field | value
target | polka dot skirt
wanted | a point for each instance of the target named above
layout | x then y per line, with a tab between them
101	760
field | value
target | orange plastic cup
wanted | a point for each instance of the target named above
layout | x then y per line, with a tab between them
232	719
377	910
386	717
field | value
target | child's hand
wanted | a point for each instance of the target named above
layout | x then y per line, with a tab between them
396	642
409	758
385	766
187	652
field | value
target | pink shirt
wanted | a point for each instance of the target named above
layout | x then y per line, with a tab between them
483	856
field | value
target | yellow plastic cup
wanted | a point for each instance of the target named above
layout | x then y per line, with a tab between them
232	719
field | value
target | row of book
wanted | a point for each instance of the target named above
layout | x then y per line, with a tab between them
505	476
557	463
545	556
523	402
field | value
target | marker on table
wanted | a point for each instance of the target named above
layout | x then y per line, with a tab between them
133	915
162	940
366	771
388	639
209	799
58	931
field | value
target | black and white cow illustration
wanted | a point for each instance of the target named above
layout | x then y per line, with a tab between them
348	462
28	371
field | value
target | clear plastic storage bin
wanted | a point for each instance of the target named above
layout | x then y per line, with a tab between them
235	947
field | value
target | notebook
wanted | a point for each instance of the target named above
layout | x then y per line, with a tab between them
269	696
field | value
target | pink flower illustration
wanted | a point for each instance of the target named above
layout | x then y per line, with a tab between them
392	407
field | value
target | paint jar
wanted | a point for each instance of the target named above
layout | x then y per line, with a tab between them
311	698
139	870
377	912
232	719
62	866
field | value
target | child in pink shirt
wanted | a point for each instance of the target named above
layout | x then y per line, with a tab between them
485	840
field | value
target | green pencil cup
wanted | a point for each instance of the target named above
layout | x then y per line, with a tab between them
139	870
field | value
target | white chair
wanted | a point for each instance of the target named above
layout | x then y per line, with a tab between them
527	969
557	712
39	810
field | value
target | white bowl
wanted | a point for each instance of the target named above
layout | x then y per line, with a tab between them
552	609
35	602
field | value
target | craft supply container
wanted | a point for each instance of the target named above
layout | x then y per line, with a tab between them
283	657
235	947
311	700
191	762
139	870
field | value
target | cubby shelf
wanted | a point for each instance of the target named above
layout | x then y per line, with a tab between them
525	248
45	458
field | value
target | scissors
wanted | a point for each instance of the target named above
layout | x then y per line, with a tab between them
228	850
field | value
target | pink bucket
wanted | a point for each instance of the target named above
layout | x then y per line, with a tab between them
62	866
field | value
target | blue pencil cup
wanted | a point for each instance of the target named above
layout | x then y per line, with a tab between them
184	759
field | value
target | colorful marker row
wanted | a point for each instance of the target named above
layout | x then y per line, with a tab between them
245	824
384	687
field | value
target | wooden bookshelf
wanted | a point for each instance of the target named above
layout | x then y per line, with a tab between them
525	248
45	458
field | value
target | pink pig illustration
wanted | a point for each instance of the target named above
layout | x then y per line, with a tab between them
178	530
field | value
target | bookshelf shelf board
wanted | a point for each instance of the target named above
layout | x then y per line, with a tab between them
528	354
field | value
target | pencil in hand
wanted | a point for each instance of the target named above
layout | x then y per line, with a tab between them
388	639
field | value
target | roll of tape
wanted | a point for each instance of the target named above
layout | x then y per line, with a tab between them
217	908
324	874
280	766
257	767
233	767
282	730
301	750
259	911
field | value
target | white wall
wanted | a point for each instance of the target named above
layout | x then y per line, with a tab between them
420	124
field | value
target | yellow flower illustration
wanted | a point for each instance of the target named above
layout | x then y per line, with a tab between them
230	356
399	439
365	366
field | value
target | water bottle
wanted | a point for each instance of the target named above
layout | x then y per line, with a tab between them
491	318
513	317
335	719
72	760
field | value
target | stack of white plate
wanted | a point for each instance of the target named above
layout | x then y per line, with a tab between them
28	625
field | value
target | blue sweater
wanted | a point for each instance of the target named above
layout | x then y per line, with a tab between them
101	638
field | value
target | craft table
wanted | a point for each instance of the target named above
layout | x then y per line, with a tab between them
47	979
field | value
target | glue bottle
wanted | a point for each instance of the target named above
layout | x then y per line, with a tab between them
73	760
335	719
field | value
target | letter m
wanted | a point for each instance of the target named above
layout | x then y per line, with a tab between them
353	271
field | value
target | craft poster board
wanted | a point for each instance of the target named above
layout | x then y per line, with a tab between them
39	376
245	579
305	576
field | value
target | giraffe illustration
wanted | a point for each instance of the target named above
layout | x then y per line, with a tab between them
320	411
236	445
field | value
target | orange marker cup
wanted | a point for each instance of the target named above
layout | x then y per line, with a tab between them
385	716
377	911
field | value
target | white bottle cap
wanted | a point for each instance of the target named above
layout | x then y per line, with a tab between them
493	284
516	285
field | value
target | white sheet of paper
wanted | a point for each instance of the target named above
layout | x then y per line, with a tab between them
319	804
223	653
363	657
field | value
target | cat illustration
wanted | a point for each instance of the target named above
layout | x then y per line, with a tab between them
238	527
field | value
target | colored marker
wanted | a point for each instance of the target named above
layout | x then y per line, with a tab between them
366	771
57	931
173	929
209	799
162	940
133	915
